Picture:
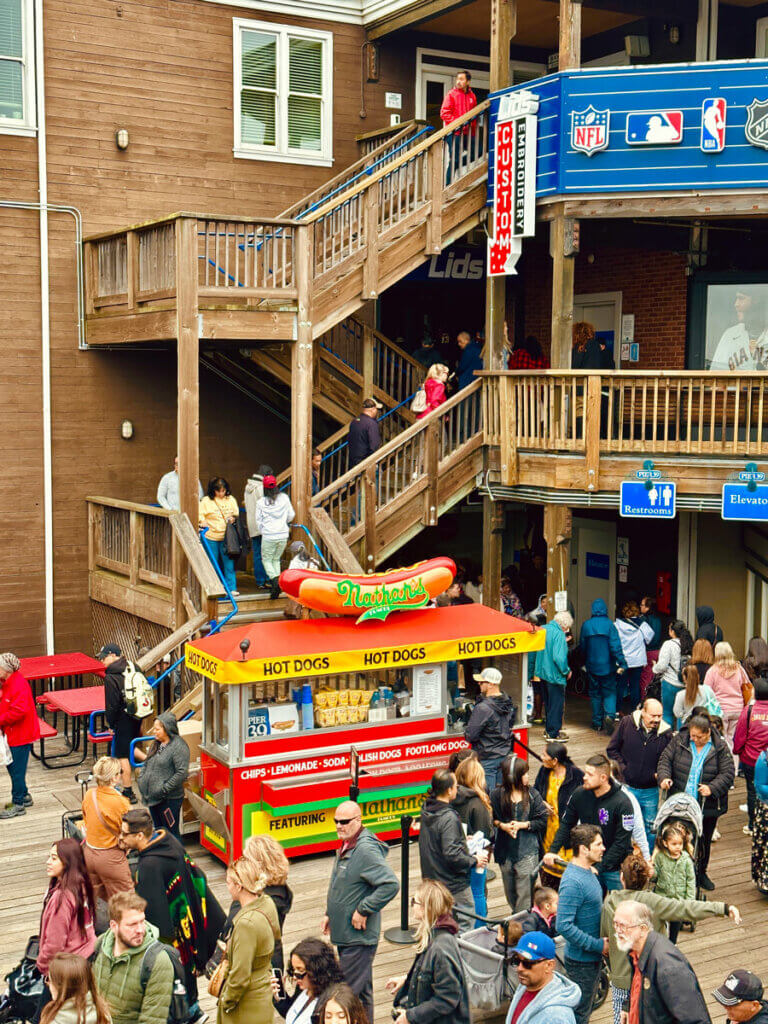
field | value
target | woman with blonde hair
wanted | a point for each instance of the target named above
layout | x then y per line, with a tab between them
725	677
74	996
246	995
270	860
436	983
474	807
434	387
103	808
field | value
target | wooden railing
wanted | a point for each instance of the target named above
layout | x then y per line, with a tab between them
240	259
387	137
133	541
395	374
414	469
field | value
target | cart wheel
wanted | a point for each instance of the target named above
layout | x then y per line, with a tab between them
603	984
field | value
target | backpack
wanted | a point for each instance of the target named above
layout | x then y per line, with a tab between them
419	403
139	695
178	1011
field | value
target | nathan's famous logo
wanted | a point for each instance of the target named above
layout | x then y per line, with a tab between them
377	602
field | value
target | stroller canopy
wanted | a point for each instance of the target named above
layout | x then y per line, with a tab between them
681	807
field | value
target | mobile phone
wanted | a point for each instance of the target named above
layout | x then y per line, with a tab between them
169	818
277	974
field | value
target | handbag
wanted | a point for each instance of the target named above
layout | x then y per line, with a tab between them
219	976
747	689
6	757
232	544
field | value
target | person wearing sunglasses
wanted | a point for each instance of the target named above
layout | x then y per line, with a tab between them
543	996
314	969
361	885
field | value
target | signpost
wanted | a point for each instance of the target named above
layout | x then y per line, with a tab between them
640	502
514	206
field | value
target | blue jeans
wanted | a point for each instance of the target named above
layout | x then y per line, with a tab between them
668	694
630	685
611	880
649	805
602	694
585	973
555	705
477	885
491	766
17	769
224	562
258	566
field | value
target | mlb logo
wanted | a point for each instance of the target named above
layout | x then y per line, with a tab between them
713	125
655	128
590	130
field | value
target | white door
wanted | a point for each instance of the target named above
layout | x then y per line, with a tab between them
594	574
603	311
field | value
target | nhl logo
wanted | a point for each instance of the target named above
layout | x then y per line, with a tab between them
590	130
756	128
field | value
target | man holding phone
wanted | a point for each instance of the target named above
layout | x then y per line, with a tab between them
361	885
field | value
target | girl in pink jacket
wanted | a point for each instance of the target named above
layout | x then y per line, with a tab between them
66	925
434	388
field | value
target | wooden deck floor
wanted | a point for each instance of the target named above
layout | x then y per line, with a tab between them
715	948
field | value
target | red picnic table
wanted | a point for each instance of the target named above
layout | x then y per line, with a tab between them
68	669
75	704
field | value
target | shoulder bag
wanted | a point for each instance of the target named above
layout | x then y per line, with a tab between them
747	689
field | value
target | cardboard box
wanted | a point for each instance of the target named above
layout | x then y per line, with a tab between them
192	732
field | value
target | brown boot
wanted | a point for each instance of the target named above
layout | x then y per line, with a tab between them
538	709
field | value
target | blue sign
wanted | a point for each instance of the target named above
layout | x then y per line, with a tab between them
649	128
598	566
751	476
648	474
739	503
638	502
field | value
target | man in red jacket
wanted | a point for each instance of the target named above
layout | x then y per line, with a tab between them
18	721
457	102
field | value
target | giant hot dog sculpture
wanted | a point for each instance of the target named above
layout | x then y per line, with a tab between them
373	596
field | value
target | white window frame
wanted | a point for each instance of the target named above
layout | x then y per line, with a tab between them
282	153
28	124
761	33
426	68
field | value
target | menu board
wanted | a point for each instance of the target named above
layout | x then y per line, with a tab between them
428	686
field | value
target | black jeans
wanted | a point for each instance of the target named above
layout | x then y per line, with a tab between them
167	814
357	967
749	775
705	848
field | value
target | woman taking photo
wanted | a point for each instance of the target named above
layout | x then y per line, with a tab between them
164	772
268	857
245	996
103	809
74	996
726	677
19	722
520	818
314	968
66	924
435	989
434	388
217	510
678	646
340	1005
474	807
274	512
556	780
697	761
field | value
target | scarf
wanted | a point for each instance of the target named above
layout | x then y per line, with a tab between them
698	757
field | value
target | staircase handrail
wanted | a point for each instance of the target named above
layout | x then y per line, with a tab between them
434	139
382	453
388	343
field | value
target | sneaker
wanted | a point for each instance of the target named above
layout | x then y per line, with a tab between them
706	883
744	808
28	801
717	834
549	738
13	811
562	735
746	830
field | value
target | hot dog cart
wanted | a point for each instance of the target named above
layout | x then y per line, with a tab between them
295	712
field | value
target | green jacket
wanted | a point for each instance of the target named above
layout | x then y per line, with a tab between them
674	878
662	910
360	880
118	981
552	661
246	997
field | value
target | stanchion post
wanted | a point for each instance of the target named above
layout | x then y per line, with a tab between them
403	936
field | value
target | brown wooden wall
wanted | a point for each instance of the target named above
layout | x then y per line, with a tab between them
163	70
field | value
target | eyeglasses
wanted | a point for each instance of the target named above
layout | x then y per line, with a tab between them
623	928
298	975
518	961
343	821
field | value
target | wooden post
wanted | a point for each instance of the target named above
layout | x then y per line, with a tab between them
592	432
570	35
436	171
557	534
368	360
135	545
493	526
371	264
369	499
132	267
508	431
563	271
432	463
301	379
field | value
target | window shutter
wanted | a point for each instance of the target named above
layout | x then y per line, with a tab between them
11	42
305	94
11	71
258	97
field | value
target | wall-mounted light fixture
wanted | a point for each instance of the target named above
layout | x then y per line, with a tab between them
121	138
126	430
674	34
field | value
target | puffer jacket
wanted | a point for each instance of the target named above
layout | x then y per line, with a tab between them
273	517
67	1012
435	991
166	768
717	772
675	878
118	979
600	642
443	852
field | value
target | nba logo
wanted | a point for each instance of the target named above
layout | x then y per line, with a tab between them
713	126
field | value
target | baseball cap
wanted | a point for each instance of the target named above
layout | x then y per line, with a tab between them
371	403
535	946
488	675
269	481
108	649
738	987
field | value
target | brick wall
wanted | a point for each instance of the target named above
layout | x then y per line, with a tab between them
653	286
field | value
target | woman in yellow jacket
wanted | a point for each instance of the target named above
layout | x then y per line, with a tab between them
246	997
217	509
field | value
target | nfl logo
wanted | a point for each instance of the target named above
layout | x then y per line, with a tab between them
756	128
590	130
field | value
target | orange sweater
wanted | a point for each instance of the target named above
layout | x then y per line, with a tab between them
102	835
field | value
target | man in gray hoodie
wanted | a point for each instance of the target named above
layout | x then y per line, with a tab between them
361	885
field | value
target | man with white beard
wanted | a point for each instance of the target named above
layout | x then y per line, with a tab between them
664	988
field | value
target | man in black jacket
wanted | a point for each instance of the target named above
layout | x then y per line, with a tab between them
124	726
443	852
599	800
364	436
636	745
742	995
489	728
664	988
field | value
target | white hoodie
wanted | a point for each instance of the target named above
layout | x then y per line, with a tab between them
272	518
254	490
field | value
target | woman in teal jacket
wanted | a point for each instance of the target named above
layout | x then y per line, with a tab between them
552	669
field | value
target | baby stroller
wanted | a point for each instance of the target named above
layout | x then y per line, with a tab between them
25	987
683	810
